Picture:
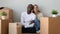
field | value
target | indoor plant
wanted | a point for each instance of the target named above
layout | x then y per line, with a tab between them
3	15
54	13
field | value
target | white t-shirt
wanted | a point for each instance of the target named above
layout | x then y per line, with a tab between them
26	19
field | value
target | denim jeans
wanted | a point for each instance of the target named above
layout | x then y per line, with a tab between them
37	24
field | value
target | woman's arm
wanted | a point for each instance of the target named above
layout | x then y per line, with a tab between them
39	15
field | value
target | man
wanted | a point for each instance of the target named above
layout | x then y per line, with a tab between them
27	20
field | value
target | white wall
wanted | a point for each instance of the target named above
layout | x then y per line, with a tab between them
20	6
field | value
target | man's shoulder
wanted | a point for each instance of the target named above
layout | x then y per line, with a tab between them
33	14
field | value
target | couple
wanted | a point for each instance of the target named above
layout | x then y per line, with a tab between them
31	19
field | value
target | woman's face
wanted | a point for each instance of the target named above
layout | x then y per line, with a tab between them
35	8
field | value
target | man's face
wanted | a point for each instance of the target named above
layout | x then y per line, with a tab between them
29	9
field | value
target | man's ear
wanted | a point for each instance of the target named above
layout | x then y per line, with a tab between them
32	11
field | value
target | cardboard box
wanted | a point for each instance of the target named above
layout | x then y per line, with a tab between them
15	28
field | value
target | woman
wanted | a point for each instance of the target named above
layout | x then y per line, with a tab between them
38	15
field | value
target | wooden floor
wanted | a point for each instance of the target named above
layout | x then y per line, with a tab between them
29	33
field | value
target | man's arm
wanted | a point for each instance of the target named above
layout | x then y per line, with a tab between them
33	18
22	19
32	21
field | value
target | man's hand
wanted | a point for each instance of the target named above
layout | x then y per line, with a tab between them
32	21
